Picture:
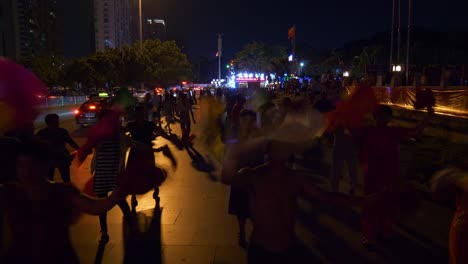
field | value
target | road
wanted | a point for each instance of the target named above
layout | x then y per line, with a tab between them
66	115
197	229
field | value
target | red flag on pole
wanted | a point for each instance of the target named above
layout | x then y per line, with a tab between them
292	33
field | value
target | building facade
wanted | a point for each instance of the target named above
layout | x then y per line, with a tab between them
76	28
28	28
9	46
112	24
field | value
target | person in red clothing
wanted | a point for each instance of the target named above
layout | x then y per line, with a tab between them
381	171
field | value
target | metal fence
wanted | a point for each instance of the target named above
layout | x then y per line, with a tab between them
62	101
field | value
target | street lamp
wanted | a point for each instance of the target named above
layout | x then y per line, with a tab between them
302	64
142	86
346	74
396	68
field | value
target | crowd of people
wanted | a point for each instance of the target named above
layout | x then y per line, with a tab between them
260	130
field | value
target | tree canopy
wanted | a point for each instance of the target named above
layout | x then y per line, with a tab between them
155	62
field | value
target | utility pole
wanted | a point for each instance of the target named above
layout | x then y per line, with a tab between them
220	48
392	39
408	40
399	31
140	11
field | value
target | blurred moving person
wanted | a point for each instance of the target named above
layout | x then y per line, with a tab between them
58	137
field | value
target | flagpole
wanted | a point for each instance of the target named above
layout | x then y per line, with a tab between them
392	41
220	43
399	31
408	41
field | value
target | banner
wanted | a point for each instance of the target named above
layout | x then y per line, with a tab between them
452	102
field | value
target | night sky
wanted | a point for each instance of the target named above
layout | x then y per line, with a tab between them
321	24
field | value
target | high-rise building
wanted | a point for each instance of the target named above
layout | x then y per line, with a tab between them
28	28
8	30
76	27
154	29
111	23
134	20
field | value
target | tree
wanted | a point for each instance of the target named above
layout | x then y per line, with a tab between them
103	69
80	72
168	65
254	58
48	68
278	60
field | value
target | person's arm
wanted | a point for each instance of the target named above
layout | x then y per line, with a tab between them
417	131
244	178
94	206
70	141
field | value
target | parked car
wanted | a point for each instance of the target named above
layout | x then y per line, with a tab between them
140	95
89	111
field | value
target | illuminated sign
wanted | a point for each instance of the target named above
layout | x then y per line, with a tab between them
249	79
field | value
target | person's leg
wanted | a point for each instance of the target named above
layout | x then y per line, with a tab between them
126	211
353	168
369	227
103	224
241	221
64	170
187	132
134	202
370	216
337	170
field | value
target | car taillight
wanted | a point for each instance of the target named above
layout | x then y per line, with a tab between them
92	107
77	112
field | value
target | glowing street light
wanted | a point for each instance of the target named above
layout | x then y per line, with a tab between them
346	74
396	68
302	64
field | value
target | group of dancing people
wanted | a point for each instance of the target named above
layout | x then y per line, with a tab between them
40	211
264	185
171	104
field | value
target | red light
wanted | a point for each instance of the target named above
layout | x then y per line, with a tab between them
77	112
184	83
92	107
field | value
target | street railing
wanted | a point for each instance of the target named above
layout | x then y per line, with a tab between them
62	101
